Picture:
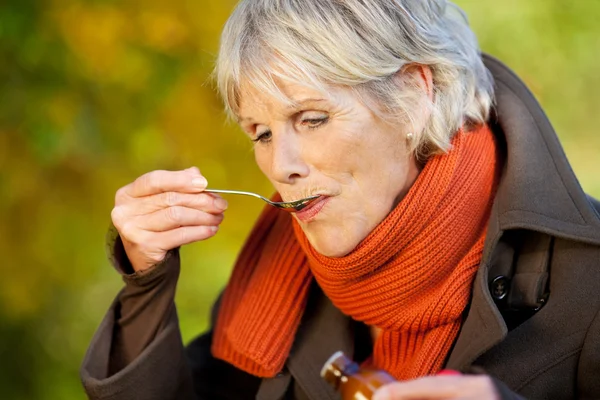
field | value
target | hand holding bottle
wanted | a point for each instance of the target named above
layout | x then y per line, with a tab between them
440	387
356	383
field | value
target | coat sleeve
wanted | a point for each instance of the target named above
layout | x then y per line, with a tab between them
137	352
588	371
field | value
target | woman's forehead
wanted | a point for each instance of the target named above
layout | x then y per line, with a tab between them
290	96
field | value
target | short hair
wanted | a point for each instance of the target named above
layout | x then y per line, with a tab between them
361	44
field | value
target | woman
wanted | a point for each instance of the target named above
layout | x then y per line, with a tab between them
448	234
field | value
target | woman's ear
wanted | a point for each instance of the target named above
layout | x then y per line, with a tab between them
417	78
420	76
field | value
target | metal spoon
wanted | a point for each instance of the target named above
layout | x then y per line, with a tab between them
289	206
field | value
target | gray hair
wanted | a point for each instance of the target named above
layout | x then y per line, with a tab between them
361	44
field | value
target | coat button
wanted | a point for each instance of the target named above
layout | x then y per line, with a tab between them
499	287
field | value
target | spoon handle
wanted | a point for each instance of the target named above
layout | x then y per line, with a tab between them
236	192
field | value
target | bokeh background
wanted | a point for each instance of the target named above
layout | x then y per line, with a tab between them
95	93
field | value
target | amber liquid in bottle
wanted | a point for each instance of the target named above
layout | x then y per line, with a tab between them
351	381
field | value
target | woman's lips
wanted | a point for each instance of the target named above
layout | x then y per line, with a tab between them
310	212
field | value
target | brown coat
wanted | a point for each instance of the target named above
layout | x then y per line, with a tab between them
533	322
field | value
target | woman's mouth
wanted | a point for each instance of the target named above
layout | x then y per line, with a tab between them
310	212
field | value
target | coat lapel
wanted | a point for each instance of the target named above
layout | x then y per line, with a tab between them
482	329
324	330
484	326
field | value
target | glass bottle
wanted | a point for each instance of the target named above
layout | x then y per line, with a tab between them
352	381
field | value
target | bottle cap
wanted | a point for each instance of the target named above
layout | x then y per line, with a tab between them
330	361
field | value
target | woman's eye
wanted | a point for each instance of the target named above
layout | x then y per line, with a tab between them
264	137
312	123
313	120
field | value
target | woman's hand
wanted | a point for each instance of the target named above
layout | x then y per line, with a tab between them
463	387
162	210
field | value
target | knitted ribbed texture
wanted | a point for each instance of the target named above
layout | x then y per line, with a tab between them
411	277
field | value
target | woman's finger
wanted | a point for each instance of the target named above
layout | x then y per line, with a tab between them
150	247
423	388
155	182
206	202
175	217
185	235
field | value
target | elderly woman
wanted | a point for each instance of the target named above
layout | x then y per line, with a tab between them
449	231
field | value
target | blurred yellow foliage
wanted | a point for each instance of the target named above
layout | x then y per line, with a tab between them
96	34
162	30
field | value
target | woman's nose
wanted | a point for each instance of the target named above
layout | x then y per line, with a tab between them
287	162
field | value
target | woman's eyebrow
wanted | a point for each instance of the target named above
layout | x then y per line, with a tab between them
300	102
295	105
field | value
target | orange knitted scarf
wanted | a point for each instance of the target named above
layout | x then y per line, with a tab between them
411	277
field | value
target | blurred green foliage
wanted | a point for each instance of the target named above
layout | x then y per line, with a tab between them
95	93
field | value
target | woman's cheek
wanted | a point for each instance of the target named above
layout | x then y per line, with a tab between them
261	158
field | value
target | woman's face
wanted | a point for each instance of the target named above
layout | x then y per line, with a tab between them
334	146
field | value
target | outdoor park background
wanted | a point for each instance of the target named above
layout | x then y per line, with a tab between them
95	93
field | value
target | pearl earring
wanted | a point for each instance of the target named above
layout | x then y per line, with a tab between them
409	136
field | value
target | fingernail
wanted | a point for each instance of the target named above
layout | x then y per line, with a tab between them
450	372
214	228
200	182
221	204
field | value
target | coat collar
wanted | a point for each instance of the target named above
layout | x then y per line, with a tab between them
538	189
555	205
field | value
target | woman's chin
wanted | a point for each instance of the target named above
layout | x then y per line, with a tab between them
332	245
